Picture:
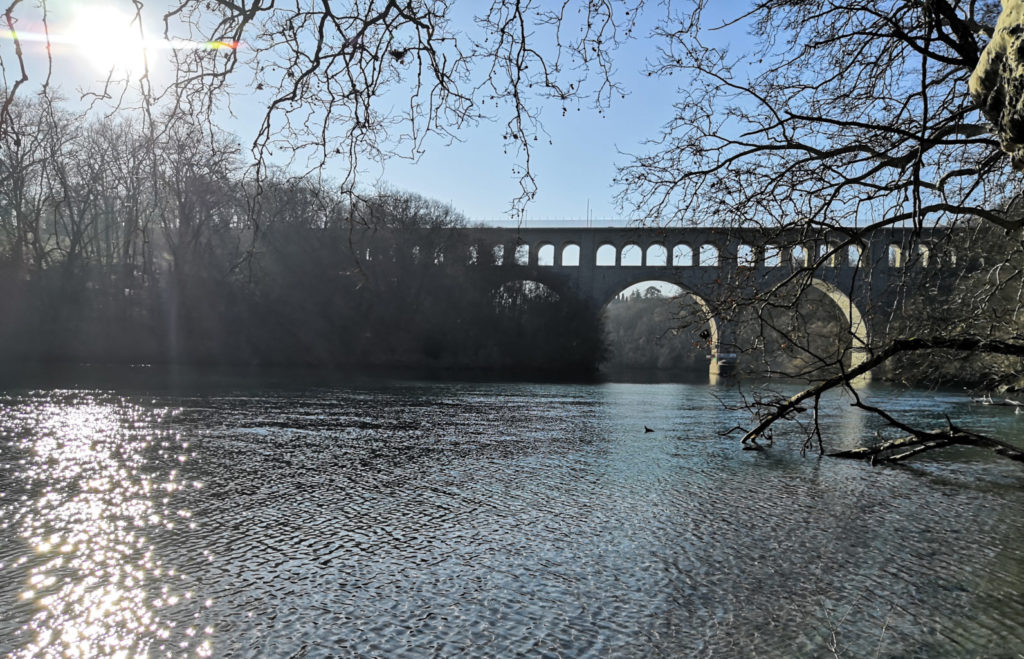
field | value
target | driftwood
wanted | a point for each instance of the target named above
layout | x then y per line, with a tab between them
896	450
1005	402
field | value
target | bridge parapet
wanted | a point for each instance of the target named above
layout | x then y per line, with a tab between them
719	248
697	247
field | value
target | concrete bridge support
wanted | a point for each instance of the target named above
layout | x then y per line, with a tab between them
725	351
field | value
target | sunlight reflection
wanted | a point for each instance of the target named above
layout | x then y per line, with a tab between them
93	569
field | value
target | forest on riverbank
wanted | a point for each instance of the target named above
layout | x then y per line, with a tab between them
120	245
123	245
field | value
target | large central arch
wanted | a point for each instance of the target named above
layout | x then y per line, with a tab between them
705	314
858	329
722	342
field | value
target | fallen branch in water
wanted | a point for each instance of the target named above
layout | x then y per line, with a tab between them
897	450
783	409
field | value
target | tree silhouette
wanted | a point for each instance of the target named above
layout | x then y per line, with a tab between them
841	119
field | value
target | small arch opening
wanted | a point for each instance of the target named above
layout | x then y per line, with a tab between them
546	255
522	255
631	255
415	253
772	256
472	255
854	254
682	255
832	254
708	256
498	255
746	256
924	255
606	255
657	255
895	256
571	255
798	256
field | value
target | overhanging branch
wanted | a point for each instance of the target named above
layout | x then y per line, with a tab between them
915	344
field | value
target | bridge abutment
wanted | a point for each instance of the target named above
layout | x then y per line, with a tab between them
725	353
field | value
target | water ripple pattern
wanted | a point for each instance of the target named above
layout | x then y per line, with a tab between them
88	487
488	520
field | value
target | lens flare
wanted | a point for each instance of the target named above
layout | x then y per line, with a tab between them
110	41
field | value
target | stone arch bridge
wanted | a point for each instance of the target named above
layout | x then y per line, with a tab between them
596	264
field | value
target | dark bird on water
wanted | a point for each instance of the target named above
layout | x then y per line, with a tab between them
646	429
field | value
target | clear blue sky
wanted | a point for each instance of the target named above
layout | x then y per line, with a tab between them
474	175
577	169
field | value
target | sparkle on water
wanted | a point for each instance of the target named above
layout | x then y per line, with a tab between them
88	503
425	519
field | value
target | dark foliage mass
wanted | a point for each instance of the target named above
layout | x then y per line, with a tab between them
122	246
647	331
978	300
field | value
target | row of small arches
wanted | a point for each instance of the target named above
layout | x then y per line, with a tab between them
631	255
682	255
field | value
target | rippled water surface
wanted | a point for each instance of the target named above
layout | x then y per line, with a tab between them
422	519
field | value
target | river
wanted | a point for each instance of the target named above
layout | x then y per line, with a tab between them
253	517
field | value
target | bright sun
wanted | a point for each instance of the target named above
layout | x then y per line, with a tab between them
110	40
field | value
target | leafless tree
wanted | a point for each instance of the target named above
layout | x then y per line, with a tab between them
360	82
843	117
27	199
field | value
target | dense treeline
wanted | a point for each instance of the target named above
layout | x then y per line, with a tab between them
647	331
131	242
124	242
